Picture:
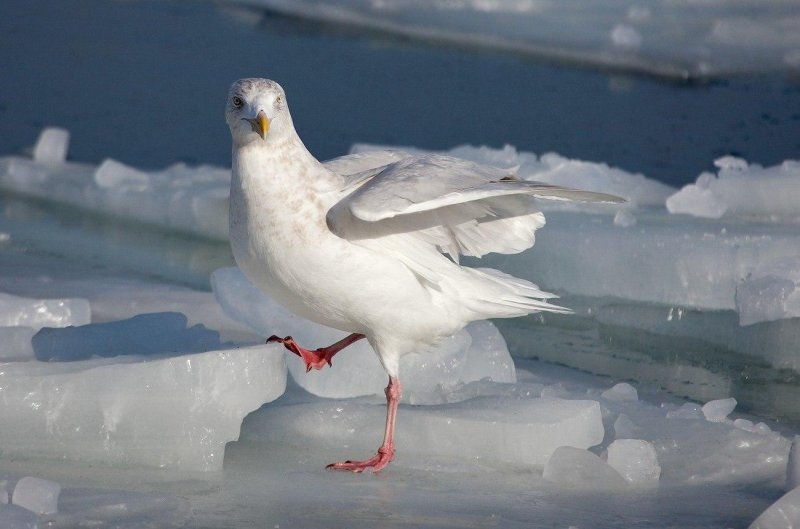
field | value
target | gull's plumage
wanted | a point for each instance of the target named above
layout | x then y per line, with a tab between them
369	243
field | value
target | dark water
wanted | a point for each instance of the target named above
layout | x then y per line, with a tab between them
144	82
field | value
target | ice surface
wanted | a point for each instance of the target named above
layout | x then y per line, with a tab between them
635	460
718	410
3	491
783	514
793	466
17	311
435	376
15	517
770	292
577	468
742	190
675	39
496	429
37	495
145	335
193	200
174	412
621	391
52	146
15	344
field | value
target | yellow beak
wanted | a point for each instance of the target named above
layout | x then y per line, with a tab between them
260	124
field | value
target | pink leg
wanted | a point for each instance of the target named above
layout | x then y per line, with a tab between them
386	451
317	358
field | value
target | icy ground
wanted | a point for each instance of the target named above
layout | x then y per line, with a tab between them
136	391
663	37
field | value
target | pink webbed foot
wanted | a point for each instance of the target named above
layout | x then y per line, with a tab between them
375	463
386	451
318	358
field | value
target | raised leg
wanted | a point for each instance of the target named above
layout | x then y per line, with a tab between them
317	358
386	451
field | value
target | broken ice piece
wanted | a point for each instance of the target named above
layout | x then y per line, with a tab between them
718	410
52	146
621	392
37	495
635	460
578	468
783	514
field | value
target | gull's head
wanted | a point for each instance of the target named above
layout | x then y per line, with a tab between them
256	111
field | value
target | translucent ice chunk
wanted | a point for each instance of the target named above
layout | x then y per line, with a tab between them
116	175
175	412
770	292
517	431
635	460
622	392
37	495
37	313
718	410
577	468
52	146
15	344
793	466
783	514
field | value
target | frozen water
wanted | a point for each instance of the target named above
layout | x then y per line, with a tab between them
683	39
114	412
15	344
624	219
635	460
37	495
793	467
783	514
770	292
431	377
3	491
496	436
52	146
496	429
16	311
622	391
718	410
578	468
742	190
15	517
145	335
112	174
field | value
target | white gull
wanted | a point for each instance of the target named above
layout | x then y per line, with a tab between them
370	243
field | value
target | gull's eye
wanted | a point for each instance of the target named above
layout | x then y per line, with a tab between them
237	102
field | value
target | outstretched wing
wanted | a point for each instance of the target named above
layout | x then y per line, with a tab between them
460	206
